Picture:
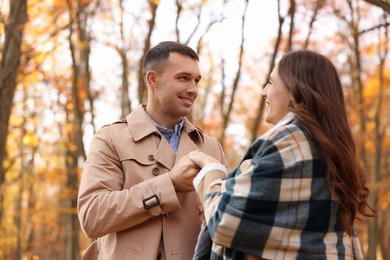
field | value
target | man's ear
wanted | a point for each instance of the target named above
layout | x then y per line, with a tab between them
151	77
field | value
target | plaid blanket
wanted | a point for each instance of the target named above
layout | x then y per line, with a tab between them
275	205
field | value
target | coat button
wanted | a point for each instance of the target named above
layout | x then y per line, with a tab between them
151	157
155	171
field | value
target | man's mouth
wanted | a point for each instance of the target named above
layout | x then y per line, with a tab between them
187	101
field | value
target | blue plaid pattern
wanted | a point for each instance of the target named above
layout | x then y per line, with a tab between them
275	205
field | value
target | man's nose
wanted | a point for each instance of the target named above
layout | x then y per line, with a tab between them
193	88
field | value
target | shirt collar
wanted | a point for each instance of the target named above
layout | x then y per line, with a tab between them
168	131
140	127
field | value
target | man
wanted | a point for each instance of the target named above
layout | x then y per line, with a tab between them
136	194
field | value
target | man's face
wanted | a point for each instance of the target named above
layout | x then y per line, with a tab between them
175	89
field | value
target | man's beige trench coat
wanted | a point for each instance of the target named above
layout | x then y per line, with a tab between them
128	202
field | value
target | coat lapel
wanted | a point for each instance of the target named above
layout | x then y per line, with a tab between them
186	145
165	154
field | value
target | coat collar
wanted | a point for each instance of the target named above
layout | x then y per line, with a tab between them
141	126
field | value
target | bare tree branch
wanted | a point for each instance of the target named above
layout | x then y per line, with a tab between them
385	5
385	25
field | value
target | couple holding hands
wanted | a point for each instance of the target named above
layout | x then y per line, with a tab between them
154	186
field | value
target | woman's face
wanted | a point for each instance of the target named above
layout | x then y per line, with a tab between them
277	98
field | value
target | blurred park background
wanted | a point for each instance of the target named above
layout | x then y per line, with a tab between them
70	66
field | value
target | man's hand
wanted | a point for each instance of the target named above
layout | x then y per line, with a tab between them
183	173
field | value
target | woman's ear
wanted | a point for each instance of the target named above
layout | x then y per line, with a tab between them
292	101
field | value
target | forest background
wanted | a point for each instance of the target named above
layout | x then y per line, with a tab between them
70	66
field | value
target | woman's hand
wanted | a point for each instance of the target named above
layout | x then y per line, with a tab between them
201	159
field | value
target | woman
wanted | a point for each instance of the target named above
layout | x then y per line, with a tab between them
300	186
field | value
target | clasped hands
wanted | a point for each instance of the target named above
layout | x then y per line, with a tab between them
186	169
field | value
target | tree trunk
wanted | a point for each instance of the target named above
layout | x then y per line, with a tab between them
141	84
354	60
291	13
125	99
318	5
79	45
8	72
227	114
260	109
379	132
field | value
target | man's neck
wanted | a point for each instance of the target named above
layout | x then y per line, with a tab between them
161	121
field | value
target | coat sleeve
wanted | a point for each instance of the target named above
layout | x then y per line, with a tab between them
104	206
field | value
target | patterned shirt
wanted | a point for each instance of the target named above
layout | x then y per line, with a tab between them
172	136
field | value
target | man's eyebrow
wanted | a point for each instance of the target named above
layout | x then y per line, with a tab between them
188	74
184	73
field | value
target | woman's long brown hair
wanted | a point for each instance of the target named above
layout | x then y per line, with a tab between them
319	106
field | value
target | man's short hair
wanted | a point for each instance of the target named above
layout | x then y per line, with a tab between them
156	58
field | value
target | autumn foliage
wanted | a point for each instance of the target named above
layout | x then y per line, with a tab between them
70	66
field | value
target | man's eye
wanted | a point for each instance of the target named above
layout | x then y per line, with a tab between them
183	78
